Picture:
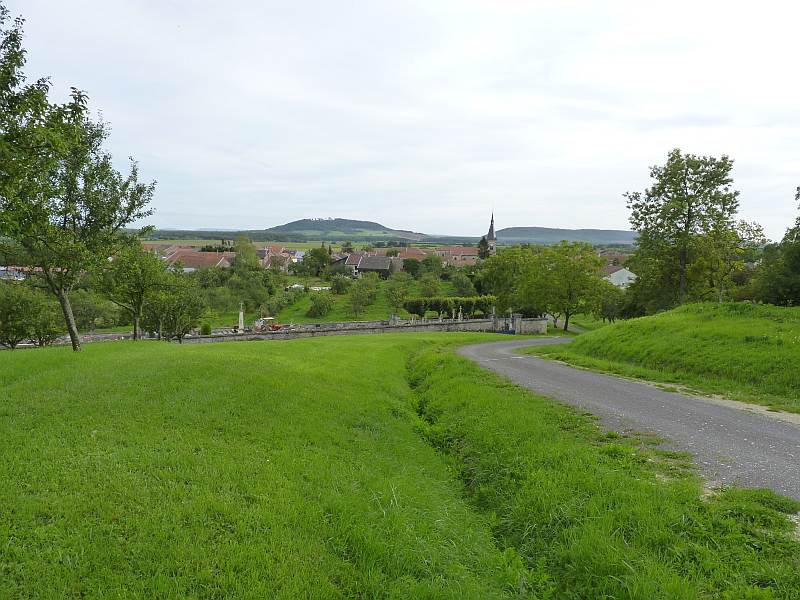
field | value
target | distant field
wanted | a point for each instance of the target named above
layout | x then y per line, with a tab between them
743	351
213	241
364	466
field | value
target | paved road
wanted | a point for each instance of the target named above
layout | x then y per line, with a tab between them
730	445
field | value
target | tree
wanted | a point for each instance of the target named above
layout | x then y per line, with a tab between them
778	277
432	264
429	285
60	197
397	290
462	284
347	247
691	196
340	284
565	280
321	304
131	279
176	308
48	325
315	261
18	311
483	249
412	266
610	301
504	274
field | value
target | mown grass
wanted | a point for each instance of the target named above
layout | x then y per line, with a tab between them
742	351
362	466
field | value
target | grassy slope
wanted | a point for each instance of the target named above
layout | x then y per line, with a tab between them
357	466
378	311
742	351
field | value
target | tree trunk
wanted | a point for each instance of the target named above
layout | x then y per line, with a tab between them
66	309
135	326
72	328
566	322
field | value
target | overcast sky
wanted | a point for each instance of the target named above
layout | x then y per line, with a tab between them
426	115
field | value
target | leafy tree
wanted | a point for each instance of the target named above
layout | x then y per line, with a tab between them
432	265
176	308
48	325
778	278
92	310
397	290
321	304
363	293
483	248
565	280
610	301
60	197
412	266
130	280
504	274
462	284
340	284
246	258
430	285
347	247
691	197
19	306
315	261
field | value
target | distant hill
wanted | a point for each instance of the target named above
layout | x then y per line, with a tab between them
341	229
547	235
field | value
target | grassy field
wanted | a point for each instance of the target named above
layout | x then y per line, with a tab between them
378	311
742	351
364	466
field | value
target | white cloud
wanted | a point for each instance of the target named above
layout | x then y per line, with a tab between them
424	115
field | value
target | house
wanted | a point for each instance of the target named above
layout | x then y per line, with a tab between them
271	256
458	256
192	260
382	265
619	276
12	273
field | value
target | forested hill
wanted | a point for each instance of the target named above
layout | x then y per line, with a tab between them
547	235
342	228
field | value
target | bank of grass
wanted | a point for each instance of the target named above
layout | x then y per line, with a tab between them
739	350
362	466
341	310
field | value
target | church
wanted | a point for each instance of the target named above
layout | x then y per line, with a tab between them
491	238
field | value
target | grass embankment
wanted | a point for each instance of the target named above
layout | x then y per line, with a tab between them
742	351
367	466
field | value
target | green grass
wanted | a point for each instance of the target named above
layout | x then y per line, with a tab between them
741	351
587	322
361	466
378	311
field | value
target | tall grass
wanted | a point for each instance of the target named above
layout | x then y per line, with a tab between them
744	351
593	516
362	466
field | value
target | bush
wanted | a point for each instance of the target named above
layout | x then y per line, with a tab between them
321	305
205	328
340	284
468	305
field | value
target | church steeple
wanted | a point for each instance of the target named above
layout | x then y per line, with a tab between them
491	238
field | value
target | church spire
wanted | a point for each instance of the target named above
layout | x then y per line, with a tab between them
491	235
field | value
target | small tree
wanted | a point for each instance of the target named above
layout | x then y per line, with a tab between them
397	290
321	305
412	266
340	284
462	284
483	248
430	285
131	278
60	197
176	308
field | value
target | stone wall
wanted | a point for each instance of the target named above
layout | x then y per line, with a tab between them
398	326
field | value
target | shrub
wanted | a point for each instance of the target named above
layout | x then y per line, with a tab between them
321	305
205	328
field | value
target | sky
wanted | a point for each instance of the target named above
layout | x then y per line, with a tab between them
428	115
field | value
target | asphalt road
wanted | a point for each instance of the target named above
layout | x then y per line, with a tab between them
730	444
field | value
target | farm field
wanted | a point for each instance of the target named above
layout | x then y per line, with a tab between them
362	466
742	351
